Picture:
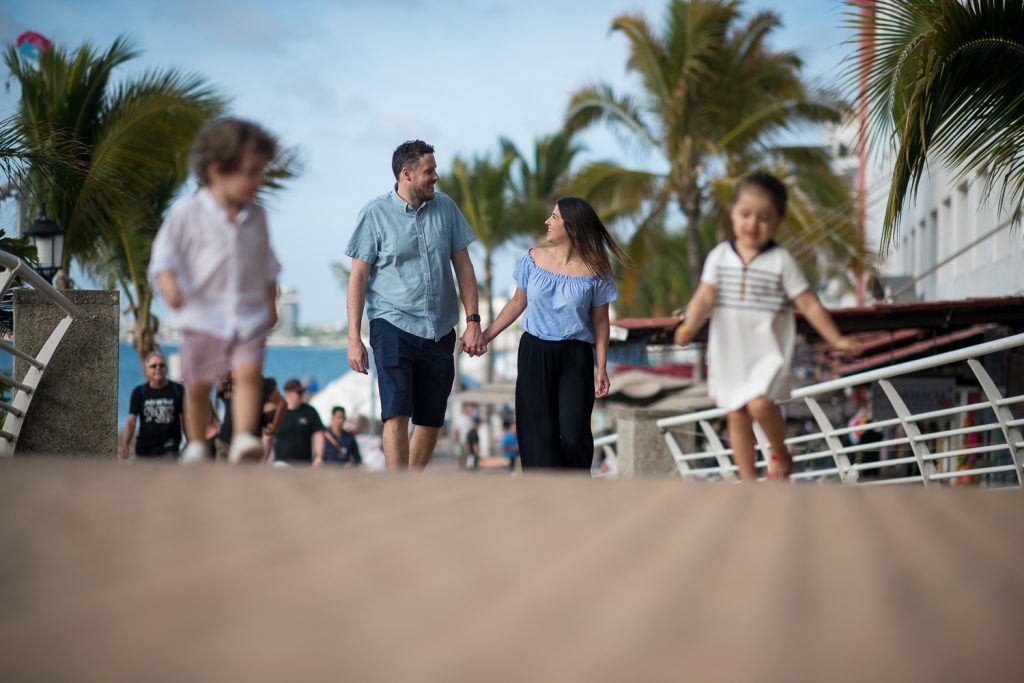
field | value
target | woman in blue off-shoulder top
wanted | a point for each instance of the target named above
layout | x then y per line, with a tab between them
565	291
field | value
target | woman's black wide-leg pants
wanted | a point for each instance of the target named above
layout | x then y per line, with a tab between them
554	401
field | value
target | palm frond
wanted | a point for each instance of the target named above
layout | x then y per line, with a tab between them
598	103
615	192
938	86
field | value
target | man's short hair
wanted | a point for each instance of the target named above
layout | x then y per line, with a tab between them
224	142
407	155
338	409
159	355
294	385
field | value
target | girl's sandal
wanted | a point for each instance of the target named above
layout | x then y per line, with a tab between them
785	469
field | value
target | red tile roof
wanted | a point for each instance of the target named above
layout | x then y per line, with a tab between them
869	362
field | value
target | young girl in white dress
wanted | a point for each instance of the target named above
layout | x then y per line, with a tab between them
749	287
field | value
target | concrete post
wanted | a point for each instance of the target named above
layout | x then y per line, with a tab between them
74	411
642	450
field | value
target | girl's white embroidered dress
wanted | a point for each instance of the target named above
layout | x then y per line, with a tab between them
753	325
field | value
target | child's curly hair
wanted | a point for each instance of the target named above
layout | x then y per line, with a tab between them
224	142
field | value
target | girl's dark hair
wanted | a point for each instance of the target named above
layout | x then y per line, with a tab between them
591	240
767	183
224	142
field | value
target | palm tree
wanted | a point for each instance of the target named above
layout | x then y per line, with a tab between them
537	181
131	144
715	101
481	186
940	83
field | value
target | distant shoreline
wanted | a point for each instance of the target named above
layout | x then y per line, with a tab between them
296	342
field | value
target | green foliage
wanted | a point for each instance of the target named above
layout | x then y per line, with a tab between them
106	159
23	248
539	179
714	103
944	82
125	151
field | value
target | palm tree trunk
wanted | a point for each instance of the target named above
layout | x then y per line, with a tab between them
691	208
488	284
144	332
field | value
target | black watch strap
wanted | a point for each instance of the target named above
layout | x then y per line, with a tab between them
473	318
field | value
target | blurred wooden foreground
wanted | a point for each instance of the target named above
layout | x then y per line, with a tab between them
112	572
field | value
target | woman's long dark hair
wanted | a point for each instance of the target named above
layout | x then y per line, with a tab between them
593	243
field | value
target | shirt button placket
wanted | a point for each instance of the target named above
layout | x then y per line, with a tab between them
431	323
233	277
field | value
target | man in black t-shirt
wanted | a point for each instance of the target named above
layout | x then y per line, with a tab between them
160	405
300	436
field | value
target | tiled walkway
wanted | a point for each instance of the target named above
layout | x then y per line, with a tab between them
111	572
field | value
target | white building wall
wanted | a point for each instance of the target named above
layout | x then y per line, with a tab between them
947	215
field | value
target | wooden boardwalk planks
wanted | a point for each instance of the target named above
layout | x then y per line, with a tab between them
151	572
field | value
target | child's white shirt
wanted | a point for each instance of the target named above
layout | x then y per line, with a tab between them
753	326
224	268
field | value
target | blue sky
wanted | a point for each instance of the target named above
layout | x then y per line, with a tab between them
347	81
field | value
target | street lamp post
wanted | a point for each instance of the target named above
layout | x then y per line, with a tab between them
49	240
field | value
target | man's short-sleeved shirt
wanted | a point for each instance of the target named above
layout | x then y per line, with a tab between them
410	252
159	412
295	434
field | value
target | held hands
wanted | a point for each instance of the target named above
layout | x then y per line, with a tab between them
601	384
473	341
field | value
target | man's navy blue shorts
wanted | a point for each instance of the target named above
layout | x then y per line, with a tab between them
414	375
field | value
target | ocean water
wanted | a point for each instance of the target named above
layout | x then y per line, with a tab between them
282	363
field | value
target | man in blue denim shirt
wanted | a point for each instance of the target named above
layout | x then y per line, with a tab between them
404	247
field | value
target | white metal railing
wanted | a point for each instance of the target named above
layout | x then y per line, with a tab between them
607	444
993	447
22	391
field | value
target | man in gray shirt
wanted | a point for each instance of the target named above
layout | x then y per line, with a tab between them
404	247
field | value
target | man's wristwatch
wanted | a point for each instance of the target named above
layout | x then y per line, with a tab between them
473	318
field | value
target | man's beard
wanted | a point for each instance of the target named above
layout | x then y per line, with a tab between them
422	194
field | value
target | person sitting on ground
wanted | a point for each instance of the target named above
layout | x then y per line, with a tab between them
340	446
300	438
160	403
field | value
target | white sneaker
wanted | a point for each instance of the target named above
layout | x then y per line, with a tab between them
245	448
195	452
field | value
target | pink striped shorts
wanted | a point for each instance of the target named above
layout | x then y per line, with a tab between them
205	358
